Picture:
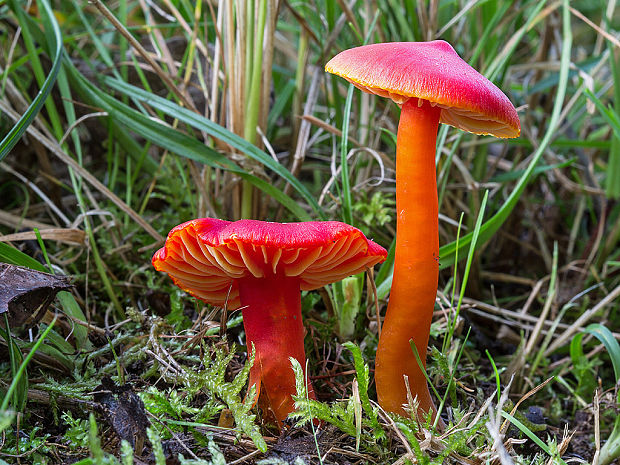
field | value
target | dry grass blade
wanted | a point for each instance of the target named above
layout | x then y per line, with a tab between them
302	22
350	16
396	430
534	336
498	445
328	127
563	445
38	191
143	53
600	31
188	30
523	398
57	150
597	427
17	222
304	130
69	236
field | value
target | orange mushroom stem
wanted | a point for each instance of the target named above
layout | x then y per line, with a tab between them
416	262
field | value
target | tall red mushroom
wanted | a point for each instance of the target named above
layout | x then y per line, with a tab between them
432	84
261	267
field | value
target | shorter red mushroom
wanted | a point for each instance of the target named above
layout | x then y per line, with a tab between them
261	267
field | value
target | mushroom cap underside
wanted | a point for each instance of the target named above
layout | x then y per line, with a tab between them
430	71
206	256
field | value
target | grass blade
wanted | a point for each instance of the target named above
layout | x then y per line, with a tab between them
488	229
345	195
215	130
524	429
607	338
180	143
24	364
18	130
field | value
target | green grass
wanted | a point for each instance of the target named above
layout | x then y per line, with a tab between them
134	117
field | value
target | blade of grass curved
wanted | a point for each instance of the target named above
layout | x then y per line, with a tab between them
215	130
604	335
18	130
611	449
172	139
447	252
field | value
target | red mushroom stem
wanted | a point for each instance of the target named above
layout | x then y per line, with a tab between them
271	308
416	266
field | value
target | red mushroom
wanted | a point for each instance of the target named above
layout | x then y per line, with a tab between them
261	267
432	84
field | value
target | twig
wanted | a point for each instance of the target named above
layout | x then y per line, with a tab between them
85	324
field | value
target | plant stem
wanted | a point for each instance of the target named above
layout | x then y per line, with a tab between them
253	103
611	449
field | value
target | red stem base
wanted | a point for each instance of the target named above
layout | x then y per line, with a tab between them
271	308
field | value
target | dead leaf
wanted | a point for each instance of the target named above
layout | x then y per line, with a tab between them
124	411
226	419
25	294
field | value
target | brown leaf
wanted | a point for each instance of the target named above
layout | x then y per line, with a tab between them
226	419
124	411
26	293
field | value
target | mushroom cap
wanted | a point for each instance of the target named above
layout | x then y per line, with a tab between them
431	71
206	256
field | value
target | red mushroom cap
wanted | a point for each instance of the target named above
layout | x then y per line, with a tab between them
431	71
205	256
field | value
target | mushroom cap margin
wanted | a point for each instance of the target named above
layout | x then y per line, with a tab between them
206	256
